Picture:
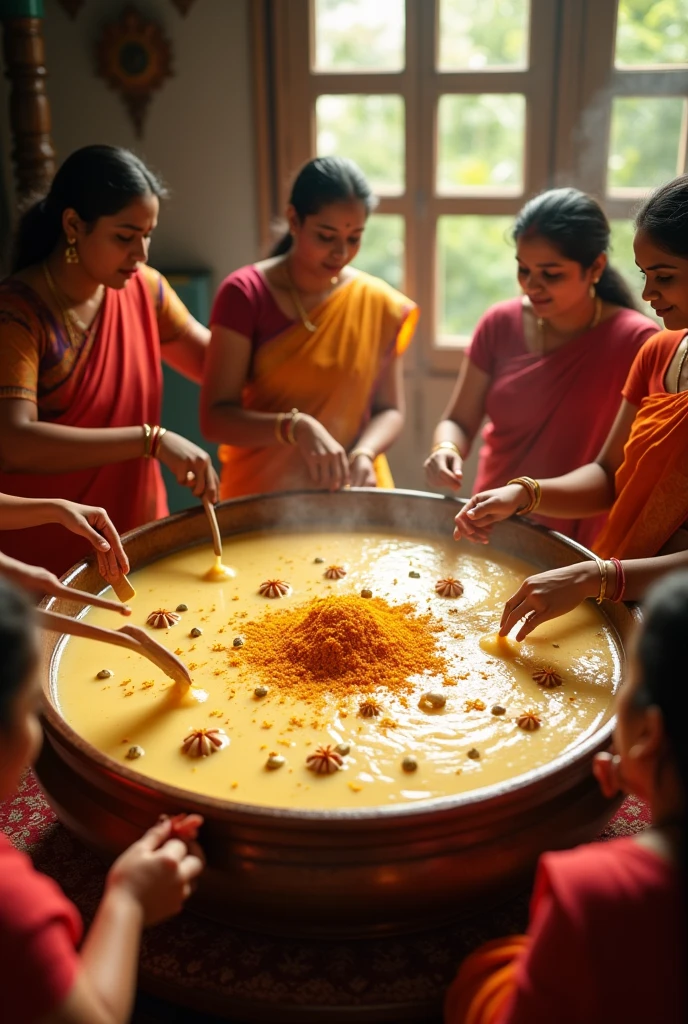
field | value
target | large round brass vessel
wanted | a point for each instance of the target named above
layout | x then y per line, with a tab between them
335	872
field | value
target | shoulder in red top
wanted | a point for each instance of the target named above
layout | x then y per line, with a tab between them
608	940
39	933
245	304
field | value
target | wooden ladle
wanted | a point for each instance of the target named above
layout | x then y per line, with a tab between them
218	571
132	637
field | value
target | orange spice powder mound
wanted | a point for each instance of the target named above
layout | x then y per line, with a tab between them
342	645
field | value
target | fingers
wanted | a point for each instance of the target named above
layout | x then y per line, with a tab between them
606	768
114	541
212	485
157	835
189	868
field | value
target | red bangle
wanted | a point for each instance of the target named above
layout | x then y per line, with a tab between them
620	587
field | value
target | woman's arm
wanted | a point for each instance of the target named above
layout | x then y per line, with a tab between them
186	354
223	420
30	446
384	426
584	492
147	884
459	424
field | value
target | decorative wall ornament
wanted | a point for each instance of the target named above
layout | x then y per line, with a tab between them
72	7
135	58
183	6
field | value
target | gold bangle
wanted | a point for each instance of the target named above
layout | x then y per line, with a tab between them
533	495
155	444
447	446
294	417
602	566
278	427
368	452
147	434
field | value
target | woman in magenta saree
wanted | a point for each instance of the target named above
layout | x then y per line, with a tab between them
546	369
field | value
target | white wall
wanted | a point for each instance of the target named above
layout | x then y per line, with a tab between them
198	130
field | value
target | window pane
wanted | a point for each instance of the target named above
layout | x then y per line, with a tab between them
356	35
382	252
648	32
476	267
480	143
644	141
369	130
477	34
621	258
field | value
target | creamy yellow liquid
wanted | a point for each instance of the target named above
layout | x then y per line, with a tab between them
137	705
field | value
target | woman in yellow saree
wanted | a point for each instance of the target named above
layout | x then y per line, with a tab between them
303	385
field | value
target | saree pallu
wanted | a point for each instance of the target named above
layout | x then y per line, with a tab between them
485	982
651	485
331	374
120	384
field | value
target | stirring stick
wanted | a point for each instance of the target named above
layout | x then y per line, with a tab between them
122	587
214	527
132	637
217	572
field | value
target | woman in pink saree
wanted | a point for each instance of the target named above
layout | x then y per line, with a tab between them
546	369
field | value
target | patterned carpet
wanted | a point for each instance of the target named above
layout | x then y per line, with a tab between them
245	978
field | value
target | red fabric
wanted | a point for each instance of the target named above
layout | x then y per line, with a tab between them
608	940
245	304
39	933
647	374
122	386
550	414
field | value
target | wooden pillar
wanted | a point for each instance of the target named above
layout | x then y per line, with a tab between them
33	152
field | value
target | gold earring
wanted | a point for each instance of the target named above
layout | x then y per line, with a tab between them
71	255
593	290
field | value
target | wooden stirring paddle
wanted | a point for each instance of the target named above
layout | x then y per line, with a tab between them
218	570
132	637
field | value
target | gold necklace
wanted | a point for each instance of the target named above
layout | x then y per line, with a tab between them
680	367
296	299
71	321
596	316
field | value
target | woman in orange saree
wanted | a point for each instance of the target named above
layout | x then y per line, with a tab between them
303	383
83	327
641	474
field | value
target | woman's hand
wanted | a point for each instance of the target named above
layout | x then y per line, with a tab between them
157	872
95	525
606	767
39	581
325	458
444	468
192	467
362	471
482	510
548	595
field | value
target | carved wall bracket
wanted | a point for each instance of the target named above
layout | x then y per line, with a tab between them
134	58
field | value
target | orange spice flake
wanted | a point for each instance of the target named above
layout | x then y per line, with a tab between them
474	705
340	646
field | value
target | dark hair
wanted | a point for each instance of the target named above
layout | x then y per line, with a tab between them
661	651
325	180
17	645
664	217
576	225
96	181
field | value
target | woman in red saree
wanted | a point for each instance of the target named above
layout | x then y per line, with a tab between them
607	934
641	474
83	327
546	370
303	385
